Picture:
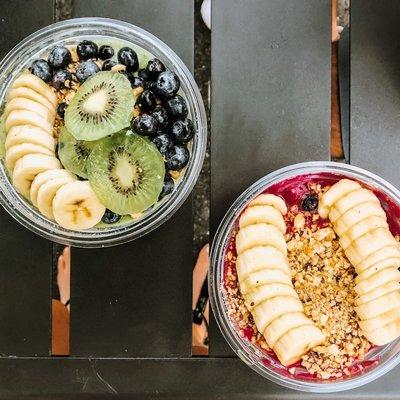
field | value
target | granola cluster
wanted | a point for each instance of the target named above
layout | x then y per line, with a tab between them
324	280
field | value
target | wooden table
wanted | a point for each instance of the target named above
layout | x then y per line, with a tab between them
131	305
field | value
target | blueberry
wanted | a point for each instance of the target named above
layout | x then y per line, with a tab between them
168	186
110	217
146	101
176	107
59	57
144	74
155	67
106	52
161	115
108	64
177	157
87	49
310	202
168	84
182	131
150	85
129	58
136	81
60	77
144	125
86	69
61	110
163	142
42	70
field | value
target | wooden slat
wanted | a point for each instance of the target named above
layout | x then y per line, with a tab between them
271	96
199	378
375	87
135	300
25	260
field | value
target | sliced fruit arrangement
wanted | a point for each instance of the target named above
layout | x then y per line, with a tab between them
360	222
115	117
265	280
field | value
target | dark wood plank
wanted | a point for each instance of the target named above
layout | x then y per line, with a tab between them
25	261
271	96
199	378
375	87
135	299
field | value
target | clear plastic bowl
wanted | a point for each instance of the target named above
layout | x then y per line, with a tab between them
71	32
388	356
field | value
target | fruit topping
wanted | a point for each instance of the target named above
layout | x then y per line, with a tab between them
163	142
87	49
129	58
61	109
126	171
168	186
168	84
137	81
176	107
86	69
310	202
145	125
182	131
146	101
74	153
110	217
155	67
42	70
105	52
59	57
177	158
161	116
100	107
108	64
61	79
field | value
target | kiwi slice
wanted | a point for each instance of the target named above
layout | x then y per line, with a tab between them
2	138
74	153
127	172
101	106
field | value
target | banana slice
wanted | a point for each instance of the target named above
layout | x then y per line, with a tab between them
48	190
269	200
261	257
357	214
377	256
76	206
388	262
43	177
265	312
260	235
335	192
380	278
349	201
22	117
20	103
30	94
262	214
368	244
380	320
27	167
263	277
293	344
14	153
361	228
285	323
261	293
386	288
29	134
33	82
385	334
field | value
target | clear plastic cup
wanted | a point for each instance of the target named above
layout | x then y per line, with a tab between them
70	32
380	359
